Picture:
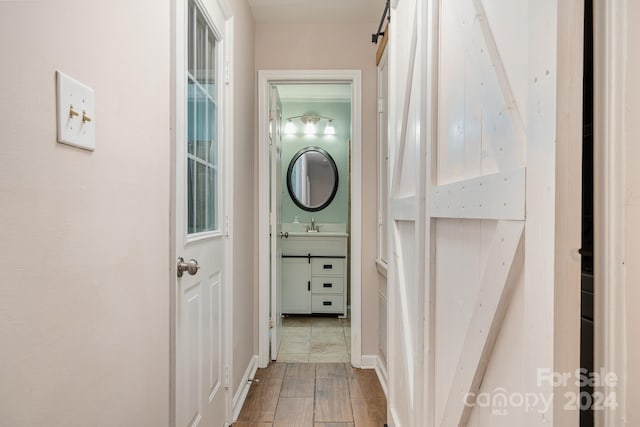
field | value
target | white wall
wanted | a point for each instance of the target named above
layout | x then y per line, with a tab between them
84	293
244	337
338	46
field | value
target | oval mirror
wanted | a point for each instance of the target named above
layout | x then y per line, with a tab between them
312	179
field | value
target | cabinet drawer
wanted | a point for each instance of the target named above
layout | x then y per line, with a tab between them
327	267
327	285
327	303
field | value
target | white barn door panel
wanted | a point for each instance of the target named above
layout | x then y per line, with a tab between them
478	205
406	213
472	286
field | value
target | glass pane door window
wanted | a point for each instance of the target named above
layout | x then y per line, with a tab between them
202	118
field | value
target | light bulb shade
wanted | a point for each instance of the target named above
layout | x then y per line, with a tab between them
329	129
289	128
309	128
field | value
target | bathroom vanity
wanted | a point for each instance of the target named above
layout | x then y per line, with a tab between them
314	273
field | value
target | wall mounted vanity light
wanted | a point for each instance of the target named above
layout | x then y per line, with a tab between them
309	122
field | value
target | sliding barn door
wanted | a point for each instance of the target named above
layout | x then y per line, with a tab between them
473	321
406	214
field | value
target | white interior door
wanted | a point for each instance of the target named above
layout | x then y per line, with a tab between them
275	141
201	243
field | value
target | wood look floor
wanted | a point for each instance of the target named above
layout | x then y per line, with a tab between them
314	395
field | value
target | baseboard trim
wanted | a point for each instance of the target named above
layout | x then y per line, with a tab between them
375	362
369	361
243	390
381	370
393	422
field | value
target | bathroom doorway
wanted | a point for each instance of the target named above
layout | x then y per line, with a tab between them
311	202
310	252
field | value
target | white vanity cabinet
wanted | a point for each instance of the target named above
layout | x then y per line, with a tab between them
314	275
295	286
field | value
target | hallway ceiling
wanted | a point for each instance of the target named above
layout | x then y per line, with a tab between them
317	11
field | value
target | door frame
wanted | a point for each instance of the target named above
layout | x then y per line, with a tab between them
610	35
265	78
178	51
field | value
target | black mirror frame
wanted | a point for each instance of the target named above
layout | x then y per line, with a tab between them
335	175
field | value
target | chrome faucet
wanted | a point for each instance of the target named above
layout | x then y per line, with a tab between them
313	227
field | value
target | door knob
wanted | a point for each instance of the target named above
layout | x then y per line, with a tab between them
284	234
190	266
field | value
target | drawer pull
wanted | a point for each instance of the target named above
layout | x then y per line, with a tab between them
327	303
328	266
328	285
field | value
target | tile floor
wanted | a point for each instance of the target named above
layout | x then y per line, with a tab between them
315	340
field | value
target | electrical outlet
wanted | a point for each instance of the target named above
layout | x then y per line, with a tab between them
76	113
